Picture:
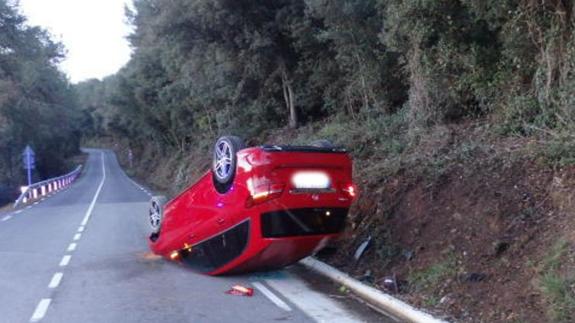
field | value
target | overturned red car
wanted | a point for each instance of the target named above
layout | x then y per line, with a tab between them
258	208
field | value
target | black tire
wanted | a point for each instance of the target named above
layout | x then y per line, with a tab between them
225	161
156	213
322	143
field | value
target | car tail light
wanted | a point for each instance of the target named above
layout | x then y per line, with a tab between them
175	255
350	190
264	193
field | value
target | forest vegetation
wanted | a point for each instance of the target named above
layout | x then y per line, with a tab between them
38	105
459	115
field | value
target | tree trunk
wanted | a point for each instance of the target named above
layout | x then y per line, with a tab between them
364	90
289	99
292	112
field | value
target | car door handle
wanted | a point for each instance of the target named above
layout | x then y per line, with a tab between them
220	220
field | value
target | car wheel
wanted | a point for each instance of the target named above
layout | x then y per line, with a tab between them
156	213
322	143
225	161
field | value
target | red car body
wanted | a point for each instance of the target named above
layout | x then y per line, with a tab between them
263	221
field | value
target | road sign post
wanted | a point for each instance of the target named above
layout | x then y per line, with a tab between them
29	160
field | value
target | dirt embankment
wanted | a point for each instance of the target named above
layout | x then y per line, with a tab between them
475	228
473	242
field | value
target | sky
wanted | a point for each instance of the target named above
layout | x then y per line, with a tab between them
93	32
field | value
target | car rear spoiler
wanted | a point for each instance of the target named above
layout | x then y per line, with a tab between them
303	149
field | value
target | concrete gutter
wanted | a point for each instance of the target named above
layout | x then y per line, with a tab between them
374	297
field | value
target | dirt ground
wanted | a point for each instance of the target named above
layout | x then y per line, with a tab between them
468	244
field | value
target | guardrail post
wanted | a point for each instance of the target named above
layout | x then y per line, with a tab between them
34	193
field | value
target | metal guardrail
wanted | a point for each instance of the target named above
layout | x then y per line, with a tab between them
43	188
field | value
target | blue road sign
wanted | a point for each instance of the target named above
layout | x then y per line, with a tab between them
29	160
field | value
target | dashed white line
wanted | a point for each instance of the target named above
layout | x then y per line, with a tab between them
143	189
65	260
41	309
272	297
44	303
56	279
36	203
18	212
6	218
72	247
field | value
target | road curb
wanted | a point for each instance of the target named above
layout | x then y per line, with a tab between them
374	297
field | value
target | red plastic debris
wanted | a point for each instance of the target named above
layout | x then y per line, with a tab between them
241	291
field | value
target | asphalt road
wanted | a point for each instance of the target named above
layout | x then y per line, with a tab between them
81	256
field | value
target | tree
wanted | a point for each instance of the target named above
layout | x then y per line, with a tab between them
37	104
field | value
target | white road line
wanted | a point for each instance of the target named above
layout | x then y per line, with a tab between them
65	260
56	279
318	306
81	228
36	203
6	218
18	212
41	309
29	206
91	208
72	247
77	236
138	185
272	297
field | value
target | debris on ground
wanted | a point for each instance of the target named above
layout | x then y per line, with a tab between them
362	248
392	284
241	291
